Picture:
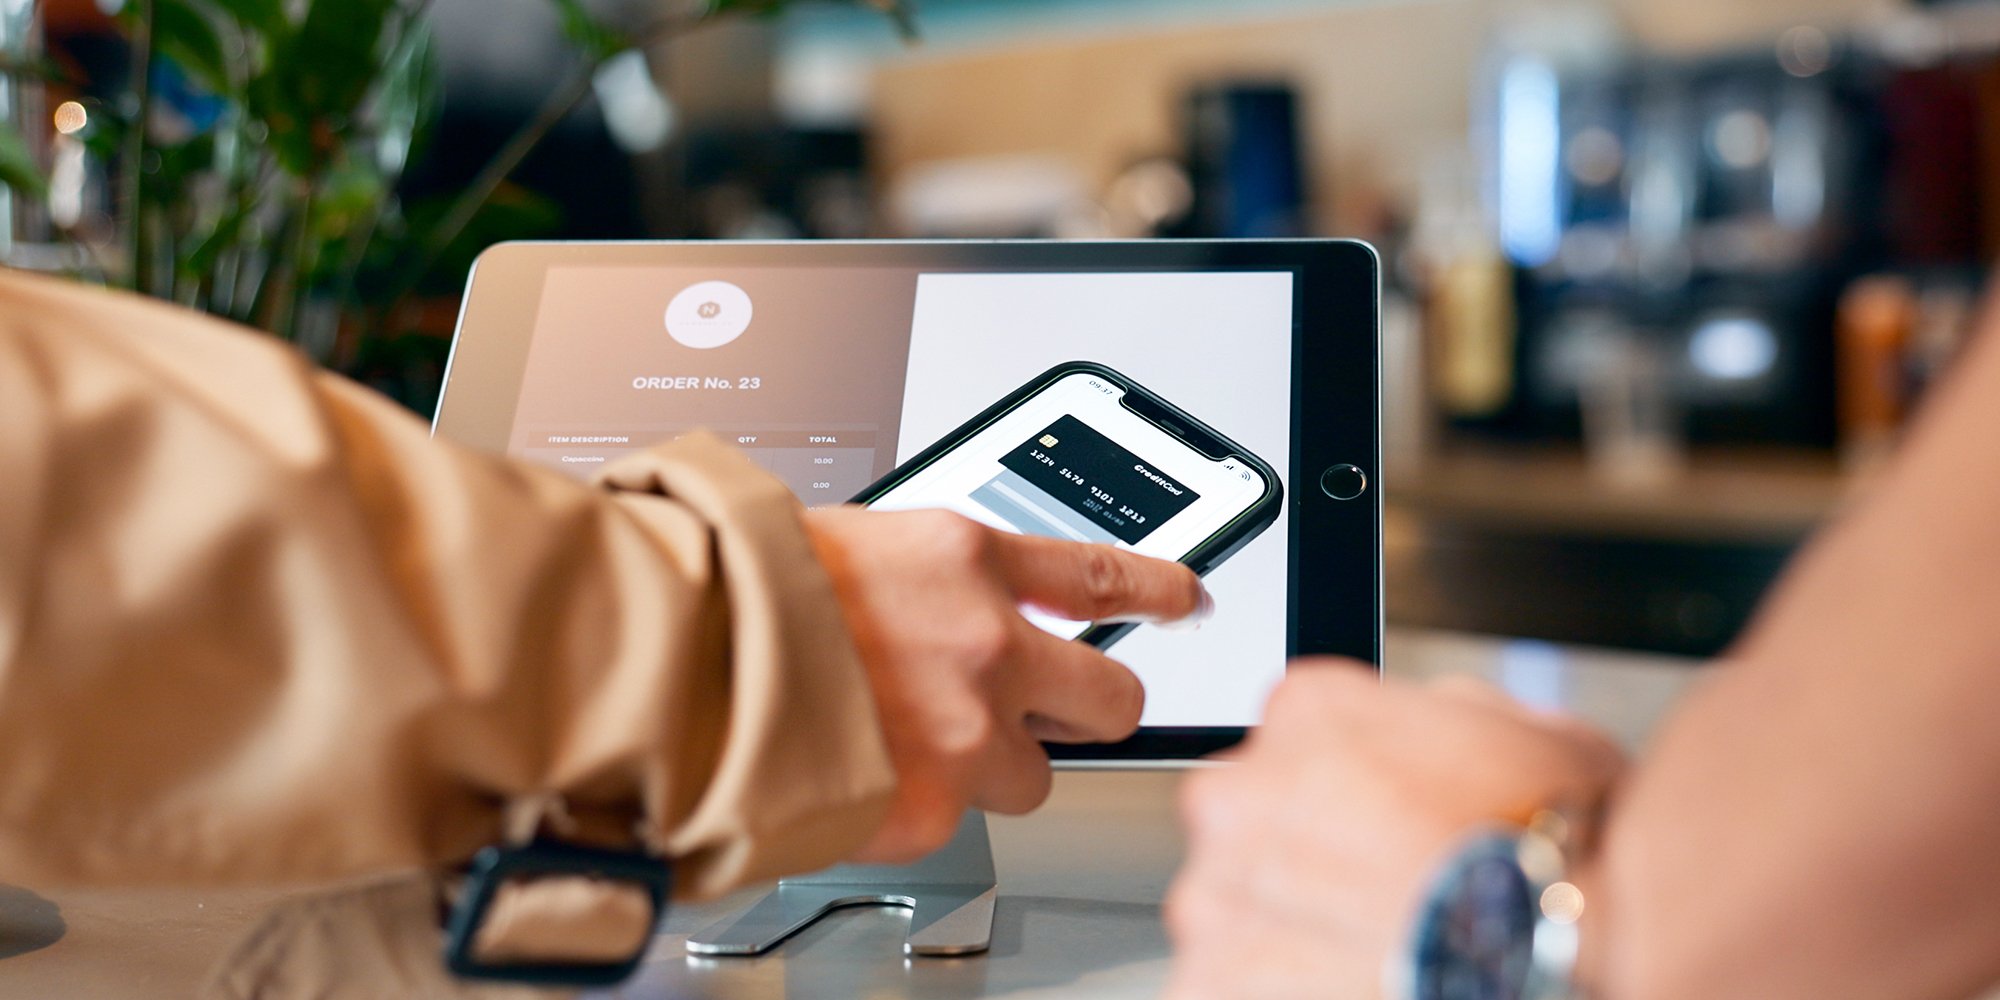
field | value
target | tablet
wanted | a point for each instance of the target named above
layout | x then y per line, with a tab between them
831	363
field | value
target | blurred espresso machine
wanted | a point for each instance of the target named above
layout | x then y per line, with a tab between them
1710	271
1702	217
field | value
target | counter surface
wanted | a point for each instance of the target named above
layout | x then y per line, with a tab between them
1081	882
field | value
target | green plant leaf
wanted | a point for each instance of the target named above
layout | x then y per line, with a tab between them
407	103
104	138
36	68
286	131
901	13
201	259
179	165
185	34
17	166
333	58
512	213
317	78
597	40
350	191
266	17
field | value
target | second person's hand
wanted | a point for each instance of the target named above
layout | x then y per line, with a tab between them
966	686
1307	857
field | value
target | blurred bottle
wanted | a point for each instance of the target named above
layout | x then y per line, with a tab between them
1519	197
1876	325
1245	161
1465	285
1470	319
1407	418
1634	429
1946	313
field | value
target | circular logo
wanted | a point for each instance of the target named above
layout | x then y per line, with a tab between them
708	314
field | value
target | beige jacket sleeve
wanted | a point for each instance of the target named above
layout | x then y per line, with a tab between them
256	625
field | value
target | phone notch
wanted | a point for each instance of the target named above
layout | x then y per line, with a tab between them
1179	425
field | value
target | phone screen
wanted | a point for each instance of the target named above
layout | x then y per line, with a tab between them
1072	462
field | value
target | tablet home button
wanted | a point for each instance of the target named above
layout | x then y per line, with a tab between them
1344	482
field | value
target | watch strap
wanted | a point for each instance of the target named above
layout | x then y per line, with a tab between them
494	867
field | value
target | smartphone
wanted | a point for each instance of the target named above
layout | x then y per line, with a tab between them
1084	454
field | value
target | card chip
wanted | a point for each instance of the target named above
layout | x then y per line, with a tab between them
1049	440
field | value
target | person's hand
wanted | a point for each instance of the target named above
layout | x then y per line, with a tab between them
965	686
1307	858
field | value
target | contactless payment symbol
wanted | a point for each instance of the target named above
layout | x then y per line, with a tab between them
708	314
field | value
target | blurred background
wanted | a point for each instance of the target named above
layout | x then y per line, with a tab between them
1664	278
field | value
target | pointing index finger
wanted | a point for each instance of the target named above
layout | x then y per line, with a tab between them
1089	582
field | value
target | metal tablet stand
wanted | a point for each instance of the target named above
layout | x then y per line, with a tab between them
949	893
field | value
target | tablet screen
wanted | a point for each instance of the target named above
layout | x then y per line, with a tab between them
831	376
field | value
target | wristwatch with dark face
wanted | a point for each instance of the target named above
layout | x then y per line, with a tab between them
1499	922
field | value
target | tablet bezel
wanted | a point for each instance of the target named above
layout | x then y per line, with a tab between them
1334	589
